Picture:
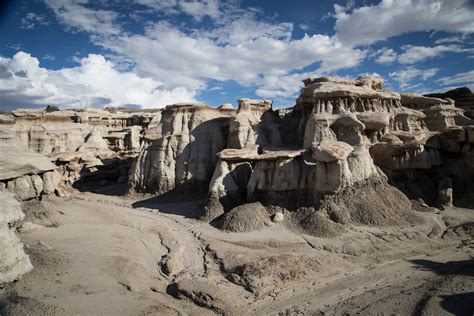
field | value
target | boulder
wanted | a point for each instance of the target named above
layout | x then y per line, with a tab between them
51	181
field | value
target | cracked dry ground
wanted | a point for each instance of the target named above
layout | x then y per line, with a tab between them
98	254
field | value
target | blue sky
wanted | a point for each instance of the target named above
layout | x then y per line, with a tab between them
150	53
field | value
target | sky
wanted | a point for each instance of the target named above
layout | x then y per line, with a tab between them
151	53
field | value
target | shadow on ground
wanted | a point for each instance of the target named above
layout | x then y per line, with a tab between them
465	267
110	189
458	303
177	203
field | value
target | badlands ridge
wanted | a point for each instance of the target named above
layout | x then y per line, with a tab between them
195	209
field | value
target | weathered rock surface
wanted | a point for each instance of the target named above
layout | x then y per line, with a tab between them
341	134
16	160
13	260
345	133
463	97
80	145
183	155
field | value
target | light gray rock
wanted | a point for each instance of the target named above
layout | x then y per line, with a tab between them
331	150
16	160
278	217
51	181
13	260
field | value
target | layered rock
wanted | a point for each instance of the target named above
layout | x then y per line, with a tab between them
182	153
463	97
254	123
82	145
25	173
13	260
344	130
329	151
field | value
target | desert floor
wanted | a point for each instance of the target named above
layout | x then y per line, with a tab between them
96	254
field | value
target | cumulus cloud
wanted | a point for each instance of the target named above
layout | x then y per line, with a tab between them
242	45
369	24
167	61
246	55
413	54
93	83
406	76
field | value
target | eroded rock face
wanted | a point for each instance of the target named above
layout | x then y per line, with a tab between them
463	97
79	145
13	260
346	133
183	155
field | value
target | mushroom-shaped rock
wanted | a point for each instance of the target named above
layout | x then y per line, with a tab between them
331	150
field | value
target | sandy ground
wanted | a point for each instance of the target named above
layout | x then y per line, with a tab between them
102	255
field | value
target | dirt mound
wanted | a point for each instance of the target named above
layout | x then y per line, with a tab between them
315	223
270	273
245	218
374	203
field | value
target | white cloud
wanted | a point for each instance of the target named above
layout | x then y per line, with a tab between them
450	39
369	24
30	20
93	83
78	17
241	45
413	54
458	79
166	53
198	9
406	76
386	56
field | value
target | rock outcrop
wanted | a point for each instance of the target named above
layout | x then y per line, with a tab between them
340	134
25	173
48	151
13	260
463	97
182	154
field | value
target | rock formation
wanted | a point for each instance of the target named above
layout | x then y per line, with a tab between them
46	151
13	260
183	148
463	97
340	134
